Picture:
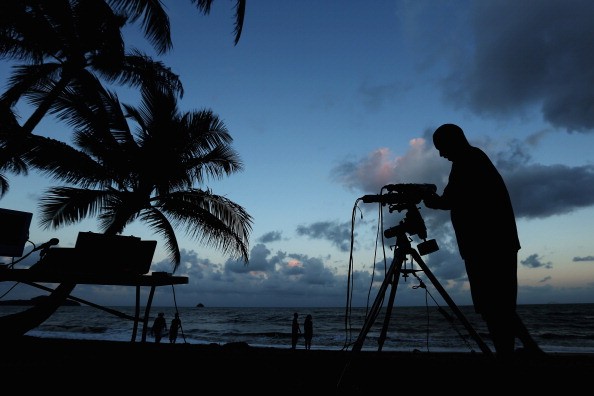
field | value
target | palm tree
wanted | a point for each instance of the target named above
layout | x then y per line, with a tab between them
63	43
153	175
67	44
64	40
156	23
9	144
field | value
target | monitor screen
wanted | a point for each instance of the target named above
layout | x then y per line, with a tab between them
14	232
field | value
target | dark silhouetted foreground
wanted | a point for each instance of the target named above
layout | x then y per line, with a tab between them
32	362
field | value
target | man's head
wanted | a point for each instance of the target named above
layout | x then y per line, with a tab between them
450	141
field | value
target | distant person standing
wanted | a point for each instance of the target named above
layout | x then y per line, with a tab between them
159	327
295	331
174	328
308	331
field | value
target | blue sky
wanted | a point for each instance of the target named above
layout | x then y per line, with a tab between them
329	101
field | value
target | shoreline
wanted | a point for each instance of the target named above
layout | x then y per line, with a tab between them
572	351
239	366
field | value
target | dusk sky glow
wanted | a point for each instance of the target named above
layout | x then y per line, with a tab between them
328	101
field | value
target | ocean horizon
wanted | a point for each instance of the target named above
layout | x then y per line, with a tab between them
557	328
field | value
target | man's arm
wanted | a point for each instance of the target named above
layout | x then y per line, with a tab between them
435	201
443	201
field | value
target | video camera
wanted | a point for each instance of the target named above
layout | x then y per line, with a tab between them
402	195
407	196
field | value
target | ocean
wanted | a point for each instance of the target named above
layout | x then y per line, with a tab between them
558	328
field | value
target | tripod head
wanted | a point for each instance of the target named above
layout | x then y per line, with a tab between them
412	224
406	197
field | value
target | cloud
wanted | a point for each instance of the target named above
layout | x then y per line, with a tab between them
270	279
375	96
540	58
545	279
586	258
537	191
338	234
540	191
533	261
382	167
271	236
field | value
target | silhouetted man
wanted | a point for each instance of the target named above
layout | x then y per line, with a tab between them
485	226
159	328
295	331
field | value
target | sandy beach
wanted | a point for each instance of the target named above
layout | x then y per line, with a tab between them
148	367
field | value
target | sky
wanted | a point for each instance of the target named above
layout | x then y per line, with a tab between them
328	102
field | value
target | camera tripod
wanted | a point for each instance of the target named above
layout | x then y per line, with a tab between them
401	250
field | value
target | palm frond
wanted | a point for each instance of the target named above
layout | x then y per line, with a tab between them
159	223
12	148
86	105
239	17
155	20
61	206
120	209
140	70
207	130
4	185
211	219
219	162
61	161
20	26
204	7
25	78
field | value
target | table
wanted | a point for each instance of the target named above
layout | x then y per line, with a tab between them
153	280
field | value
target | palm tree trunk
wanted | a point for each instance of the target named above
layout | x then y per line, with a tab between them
16	325
43	108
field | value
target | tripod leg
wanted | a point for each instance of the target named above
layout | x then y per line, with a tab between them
395	278
451	303
379	299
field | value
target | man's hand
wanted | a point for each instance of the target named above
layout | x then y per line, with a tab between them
432	201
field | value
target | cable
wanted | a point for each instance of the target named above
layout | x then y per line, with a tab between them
441	310
350	282
11	265
9	290
348	306
348	314
177	312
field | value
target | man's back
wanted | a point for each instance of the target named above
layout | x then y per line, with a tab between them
481	209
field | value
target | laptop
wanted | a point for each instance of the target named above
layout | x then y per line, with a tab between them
115	253
102	254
